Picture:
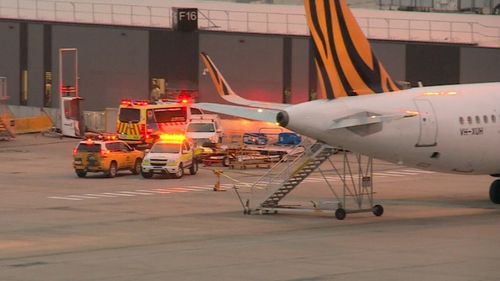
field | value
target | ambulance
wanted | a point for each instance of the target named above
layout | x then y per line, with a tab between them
141	122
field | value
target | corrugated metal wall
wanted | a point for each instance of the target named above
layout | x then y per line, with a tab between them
118	63
432	64
9	58
252	64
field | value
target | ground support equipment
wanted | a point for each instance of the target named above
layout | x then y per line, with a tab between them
350	182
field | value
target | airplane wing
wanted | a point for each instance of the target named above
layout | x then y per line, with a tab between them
259	114
225	91
368	118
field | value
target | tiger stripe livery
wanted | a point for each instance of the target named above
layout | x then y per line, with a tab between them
218	81
226	92
346	64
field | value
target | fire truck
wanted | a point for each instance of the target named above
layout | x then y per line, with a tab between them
140	123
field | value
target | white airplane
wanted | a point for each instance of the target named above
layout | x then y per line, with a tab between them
452	129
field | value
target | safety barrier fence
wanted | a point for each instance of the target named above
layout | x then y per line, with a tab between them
476	6
376	27
33	124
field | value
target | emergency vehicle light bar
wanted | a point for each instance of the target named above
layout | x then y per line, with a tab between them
141	102
129	102
89	137
173	138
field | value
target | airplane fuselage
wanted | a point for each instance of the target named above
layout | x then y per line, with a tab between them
454	129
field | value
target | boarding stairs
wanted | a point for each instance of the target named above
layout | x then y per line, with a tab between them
288	173
349	180
312	158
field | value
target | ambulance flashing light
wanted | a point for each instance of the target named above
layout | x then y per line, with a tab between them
184	97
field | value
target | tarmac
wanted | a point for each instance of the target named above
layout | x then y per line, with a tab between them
55	226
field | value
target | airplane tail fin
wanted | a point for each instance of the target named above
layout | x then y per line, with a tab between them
225	91
346	64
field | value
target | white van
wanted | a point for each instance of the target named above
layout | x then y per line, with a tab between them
204	128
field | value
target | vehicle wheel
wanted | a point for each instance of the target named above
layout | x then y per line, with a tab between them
146	175
137	166
340	214
226	161
112	170
378	210
194	167
495	192
81	173
180	172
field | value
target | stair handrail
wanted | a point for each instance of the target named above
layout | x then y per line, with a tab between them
272	169
311	158
294	153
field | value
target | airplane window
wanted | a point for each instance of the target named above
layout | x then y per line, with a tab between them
469	119
485	119
493	118
478	120
461	120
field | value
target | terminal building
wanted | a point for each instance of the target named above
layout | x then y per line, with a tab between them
126	50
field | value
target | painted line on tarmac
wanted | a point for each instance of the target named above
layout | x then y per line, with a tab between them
161	190
82	197
202	187
320	179
118	194
313	180
64	198
139	192
387	175
151	191
419	171
178	189
192	188
135	193
100	195
401	173
230	185
333	178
